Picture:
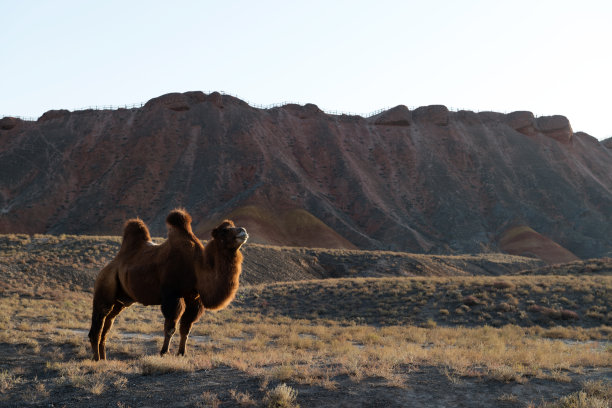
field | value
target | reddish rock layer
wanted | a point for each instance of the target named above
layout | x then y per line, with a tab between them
427	180
524	241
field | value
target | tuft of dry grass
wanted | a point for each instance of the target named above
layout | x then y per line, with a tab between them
282	396
243	399
155	364
511	398
8	381
209	400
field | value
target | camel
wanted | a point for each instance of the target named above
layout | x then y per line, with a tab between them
181	275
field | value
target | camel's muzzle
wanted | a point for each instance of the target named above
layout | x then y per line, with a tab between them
242	235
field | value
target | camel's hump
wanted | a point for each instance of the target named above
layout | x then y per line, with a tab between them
135	232
179	218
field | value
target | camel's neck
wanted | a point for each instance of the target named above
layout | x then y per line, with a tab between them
219	276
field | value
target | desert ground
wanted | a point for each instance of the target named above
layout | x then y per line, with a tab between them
315	328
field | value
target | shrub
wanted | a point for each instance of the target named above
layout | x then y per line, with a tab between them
569	315
430	324
470	301
554	313
282	396
544	311
505	307
502	285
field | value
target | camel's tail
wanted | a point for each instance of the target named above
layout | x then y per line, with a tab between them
135	233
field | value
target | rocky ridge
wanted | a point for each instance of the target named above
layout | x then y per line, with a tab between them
426	180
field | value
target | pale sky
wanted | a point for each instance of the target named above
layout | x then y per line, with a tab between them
548	57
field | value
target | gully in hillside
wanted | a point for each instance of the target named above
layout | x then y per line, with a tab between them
181	275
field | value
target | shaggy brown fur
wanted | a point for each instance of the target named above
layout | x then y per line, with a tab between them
181	275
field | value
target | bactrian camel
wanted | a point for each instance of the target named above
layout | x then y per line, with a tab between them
181	275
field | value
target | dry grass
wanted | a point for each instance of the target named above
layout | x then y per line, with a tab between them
91	377
155	364
243	399
282	396
276	346
208	400
473	301
8	381
594	394
317	332
598	266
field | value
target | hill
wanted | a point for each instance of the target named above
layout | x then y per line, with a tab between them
72	262
525	241
374	287
425	180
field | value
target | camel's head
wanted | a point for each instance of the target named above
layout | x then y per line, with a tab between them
229	236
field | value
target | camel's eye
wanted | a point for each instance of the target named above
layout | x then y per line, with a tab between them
222	230
221	233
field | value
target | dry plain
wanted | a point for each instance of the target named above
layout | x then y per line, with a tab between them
315	328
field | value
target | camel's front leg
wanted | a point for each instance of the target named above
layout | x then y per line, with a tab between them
172	309
193	311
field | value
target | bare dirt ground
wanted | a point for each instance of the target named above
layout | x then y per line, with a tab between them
426	386
401	339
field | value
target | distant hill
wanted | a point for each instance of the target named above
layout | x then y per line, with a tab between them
424	180
296	227
524	241
73	261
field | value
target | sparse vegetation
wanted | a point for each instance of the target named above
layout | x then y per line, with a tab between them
594	394
8	381
314	333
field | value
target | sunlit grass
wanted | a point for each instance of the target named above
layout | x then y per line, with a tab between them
299	350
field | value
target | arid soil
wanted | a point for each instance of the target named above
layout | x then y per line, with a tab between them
426	387
45	351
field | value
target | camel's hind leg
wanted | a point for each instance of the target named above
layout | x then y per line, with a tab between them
118	307
105	295
193	311
98	316
172	309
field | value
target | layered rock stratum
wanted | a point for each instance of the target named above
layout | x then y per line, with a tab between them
424	180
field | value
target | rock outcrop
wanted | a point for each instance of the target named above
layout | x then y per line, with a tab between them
426	180
436	114
54	114
9	123
522	121
398	116
556	127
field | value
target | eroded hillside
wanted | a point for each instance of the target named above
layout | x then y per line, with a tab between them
426	180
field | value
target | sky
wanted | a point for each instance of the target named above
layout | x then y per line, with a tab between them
547	57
